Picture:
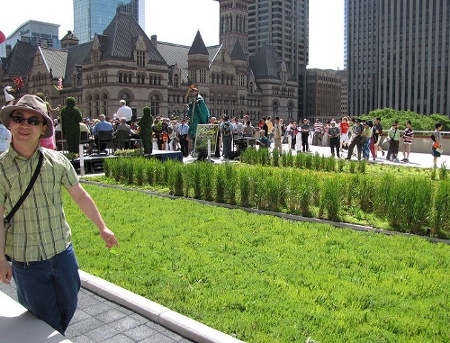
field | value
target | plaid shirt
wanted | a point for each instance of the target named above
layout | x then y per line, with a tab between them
38	230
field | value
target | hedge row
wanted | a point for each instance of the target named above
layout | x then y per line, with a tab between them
413	204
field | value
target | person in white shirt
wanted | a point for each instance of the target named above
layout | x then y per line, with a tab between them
5	138
124	111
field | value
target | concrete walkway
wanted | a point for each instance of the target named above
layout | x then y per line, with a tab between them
105	313
421	160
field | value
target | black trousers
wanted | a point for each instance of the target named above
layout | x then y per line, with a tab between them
334	143
184	145
357	141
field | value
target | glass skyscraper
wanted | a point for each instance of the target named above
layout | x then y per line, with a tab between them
93	16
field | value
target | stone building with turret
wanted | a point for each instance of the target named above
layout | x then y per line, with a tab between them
124	63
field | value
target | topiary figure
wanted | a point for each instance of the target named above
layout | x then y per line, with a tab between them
145	130
70	124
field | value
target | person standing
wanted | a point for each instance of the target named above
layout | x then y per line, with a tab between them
366	139
5	138
318	132
394	142
344	127
436	149
326	135
269	128
50	142
376	136
182	131
305	135
277	135
124	111
226	129
334	136
198	113
408	136
38	237
356	139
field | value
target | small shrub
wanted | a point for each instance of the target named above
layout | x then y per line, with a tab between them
220	184
208	180
231	184
309	161
341	164
330	164
178	185
441	214
362	166
443	172
300	161
245	186
317	162
331	199
275	158
140	171
433	174
197	180
264	157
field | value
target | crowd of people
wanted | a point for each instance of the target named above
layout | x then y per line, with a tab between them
346	137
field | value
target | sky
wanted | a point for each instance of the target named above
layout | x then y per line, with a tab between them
177	21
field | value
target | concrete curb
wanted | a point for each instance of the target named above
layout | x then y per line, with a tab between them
157	313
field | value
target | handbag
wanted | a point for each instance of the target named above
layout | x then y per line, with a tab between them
7	219
439	150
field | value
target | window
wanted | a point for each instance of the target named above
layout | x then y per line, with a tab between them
202	76
105	104
90	105
154	104
97	105
140	58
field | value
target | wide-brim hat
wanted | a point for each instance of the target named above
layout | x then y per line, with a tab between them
32	103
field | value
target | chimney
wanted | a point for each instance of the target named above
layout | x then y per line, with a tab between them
154	40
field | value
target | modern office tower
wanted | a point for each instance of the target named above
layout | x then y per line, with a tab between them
35	32
323	94
93	16
398	55
285	25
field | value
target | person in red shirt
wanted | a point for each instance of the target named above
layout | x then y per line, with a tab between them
344	126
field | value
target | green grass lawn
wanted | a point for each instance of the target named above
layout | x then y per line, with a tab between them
264	279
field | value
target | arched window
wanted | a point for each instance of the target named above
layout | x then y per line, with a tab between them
275	108
105	104
176	81
290	109
97	105
120	77
90	105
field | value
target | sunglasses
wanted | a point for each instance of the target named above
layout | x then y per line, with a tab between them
34	121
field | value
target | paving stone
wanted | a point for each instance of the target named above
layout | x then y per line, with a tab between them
141	332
